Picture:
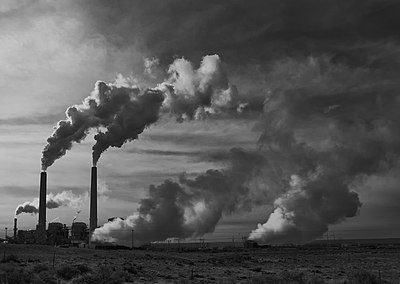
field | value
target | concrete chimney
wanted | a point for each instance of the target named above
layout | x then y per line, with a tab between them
93	201
41	227
15	229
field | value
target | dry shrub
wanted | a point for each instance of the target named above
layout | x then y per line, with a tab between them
39	268
19	275
69	272
365	277
293	277
47	277
104	275
11	258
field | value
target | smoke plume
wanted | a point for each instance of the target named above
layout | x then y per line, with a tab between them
62	199
323	137
27	207
189	207
125	111
325	127
76	215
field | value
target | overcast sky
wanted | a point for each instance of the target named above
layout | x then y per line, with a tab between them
328	71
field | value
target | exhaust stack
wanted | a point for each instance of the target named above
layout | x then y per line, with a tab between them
41	227
15	229
93	202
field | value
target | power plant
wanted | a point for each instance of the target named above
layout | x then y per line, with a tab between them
79	234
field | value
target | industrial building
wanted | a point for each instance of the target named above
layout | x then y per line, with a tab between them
78	234
56	234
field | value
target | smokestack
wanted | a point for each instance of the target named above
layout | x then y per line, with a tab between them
15	228
41	227
93	201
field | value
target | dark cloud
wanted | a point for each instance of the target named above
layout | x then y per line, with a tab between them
201	139
244	30
197	155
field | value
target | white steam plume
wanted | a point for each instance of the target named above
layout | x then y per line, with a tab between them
76	215
324	130
62	199
325	126
189	207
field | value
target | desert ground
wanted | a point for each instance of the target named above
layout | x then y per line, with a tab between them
354	264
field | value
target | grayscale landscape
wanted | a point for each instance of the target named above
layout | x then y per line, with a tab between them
188	141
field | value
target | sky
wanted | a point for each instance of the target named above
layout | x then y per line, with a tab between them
306	93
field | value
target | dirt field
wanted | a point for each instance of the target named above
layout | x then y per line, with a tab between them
34	264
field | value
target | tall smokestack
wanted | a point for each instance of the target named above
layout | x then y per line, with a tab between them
15	229
93	201
41	227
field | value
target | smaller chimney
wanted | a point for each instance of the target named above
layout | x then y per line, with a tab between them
15	228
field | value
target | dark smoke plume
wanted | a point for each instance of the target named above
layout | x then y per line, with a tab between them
27	207
125	111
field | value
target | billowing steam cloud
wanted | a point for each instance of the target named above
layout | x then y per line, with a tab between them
62	199
325	128
323	136
126	111
190	207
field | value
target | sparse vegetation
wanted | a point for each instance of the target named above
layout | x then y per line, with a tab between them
104	275
47	277
37	268
365	277
10	258
293	277
69	272
18	275
30	264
